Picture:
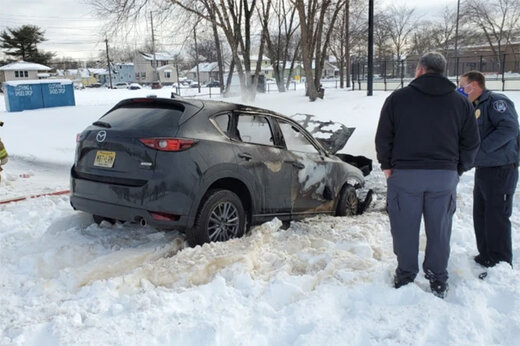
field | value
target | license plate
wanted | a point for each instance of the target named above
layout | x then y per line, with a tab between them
105	159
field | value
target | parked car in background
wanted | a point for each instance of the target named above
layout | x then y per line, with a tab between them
210	169
194	85
213	84
134	86
95	85
121	85
156	85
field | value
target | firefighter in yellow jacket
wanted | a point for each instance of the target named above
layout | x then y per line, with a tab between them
3	154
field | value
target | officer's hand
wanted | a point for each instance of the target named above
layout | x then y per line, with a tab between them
387	172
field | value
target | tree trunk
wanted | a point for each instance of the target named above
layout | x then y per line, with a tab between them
219	56
347	41
230	77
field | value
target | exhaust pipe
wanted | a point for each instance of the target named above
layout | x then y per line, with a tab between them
142	222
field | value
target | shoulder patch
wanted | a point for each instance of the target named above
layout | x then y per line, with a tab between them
500	106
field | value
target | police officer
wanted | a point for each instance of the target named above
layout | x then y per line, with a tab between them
496	173
426	136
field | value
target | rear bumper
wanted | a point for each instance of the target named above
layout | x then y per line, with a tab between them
125	213
130	203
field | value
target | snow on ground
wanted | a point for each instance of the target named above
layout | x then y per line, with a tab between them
325	280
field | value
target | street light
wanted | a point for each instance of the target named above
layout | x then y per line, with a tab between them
456	44
370	79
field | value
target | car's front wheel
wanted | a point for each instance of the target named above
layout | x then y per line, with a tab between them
221	217
348	202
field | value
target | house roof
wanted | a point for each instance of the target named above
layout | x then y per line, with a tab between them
24	65
165	67
159	56
98	71
206	67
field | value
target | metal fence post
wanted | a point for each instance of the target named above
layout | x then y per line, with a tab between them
480	64
384	74
209	92
402	73
352	73
503	72
359	75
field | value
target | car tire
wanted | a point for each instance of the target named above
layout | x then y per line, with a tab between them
213	223
348	202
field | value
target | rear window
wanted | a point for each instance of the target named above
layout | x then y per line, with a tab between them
145	117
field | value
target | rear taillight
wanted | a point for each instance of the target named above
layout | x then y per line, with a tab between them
168	144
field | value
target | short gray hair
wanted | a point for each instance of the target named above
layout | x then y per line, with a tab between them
433	62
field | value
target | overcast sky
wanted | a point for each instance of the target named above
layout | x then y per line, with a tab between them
73	30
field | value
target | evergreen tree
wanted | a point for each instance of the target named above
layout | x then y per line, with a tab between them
21	43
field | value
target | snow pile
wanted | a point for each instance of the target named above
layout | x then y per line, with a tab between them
325	280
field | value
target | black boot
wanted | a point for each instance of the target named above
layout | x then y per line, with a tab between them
399	282
439	288
484	261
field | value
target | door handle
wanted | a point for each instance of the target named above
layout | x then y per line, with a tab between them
245	156
298	165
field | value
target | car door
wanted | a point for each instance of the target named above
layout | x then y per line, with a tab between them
313	172
260	161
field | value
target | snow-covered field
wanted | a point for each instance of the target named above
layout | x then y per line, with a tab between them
323	281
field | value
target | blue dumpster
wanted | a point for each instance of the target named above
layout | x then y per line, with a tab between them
56	94
33	94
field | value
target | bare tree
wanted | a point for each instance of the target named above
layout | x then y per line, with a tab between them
317	20
499	20
235	18
279	36
400	24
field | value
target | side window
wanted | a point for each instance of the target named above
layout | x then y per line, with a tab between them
222	121
254	129
296	141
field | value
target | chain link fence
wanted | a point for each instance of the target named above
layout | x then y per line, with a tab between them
502	73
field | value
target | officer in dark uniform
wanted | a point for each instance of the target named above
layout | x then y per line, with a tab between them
426	137
496	173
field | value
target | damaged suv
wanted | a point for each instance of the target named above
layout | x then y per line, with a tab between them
212	169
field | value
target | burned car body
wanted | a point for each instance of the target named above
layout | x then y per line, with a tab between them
208	168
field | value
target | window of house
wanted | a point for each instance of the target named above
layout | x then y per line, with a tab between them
254	129
26	74
295	140
167	74
143	74
137	75
16	74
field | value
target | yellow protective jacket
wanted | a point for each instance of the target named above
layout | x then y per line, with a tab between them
3	152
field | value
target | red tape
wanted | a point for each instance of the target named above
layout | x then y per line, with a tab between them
18	199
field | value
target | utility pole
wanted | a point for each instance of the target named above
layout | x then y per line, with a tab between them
370	79
108	62
196	54
156	76
456	44
347	43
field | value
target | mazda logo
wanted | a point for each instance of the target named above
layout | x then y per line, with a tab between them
101	136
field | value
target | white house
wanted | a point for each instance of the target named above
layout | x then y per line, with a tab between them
21	70
144	69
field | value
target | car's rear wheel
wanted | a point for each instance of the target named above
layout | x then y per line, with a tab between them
348	202
221	217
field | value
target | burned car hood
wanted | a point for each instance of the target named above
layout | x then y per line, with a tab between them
332	136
